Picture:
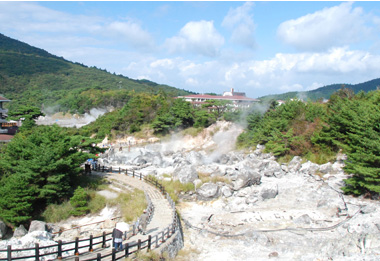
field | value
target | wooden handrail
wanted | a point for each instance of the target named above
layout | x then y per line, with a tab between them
128	246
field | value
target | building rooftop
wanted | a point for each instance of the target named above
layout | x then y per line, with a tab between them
4	99
216	97
5	137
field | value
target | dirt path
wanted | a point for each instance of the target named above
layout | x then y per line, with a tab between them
162	214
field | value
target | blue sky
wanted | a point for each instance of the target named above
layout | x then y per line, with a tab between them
259	48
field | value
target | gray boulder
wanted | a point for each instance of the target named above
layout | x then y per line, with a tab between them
304	219
37	225
185	173
272	169
208	191
194	157
269	192
245	177
295	164
309	168
20	231
326	168
139	160
3	229
226	191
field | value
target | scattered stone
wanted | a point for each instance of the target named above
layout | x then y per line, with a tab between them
37	225
273	254
3	229
20	231
185	174
226	191
295	164
208	191
269	192
304	219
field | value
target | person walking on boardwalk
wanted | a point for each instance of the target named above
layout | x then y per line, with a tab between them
144	222
117	236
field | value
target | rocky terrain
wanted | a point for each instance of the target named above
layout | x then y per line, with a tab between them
247	206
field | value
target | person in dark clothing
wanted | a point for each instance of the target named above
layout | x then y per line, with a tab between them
144	222
117	236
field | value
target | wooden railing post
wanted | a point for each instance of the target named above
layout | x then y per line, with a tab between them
163	237
156	240
9	253
76	251
119	170
59	249
98	257
126	172
90	249
104	239
149	242
103	169
133	173
37	250
134	229
126	250
139	245
113	254
140	176
76	258
111	169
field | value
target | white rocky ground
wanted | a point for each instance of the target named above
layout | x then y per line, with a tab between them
263	209
257	209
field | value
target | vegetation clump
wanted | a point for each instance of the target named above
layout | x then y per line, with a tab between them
317	131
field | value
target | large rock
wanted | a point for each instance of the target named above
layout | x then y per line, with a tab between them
37	225
269	192
185	174
245	177
20	231
194	157
272	169
309	168
208	191
226	191
295	164
3	229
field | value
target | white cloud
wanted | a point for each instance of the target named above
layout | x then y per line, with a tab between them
31	19
240	22
335	26
196	37
130	32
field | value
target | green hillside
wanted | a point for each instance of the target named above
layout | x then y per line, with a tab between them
325	92
32	76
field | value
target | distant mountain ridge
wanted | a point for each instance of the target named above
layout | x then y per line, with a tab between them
326	91
32	76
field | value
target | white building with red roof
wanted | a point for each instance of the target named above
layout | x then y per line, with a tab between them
236	99
4	130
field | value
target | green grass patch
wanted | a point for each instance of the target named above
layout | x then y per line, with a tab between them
55	213
192	131
174	187
132	204
206	178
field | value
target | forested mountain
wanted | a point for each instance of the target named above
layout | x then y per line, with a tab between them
325	92
32	76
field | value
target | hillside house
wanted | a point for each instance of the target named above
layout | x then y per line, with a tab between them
7	129
238	100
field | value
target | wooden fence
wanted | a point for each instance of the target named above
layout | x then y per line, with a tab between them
88	245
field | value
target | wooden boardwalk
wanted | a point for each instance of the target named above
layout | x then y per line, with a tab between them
162	218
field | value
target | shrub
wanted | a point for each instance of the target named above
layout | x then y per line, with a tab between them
79	202
55	213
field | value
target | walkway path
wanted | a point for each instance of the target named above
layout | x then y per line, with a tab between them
162	214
